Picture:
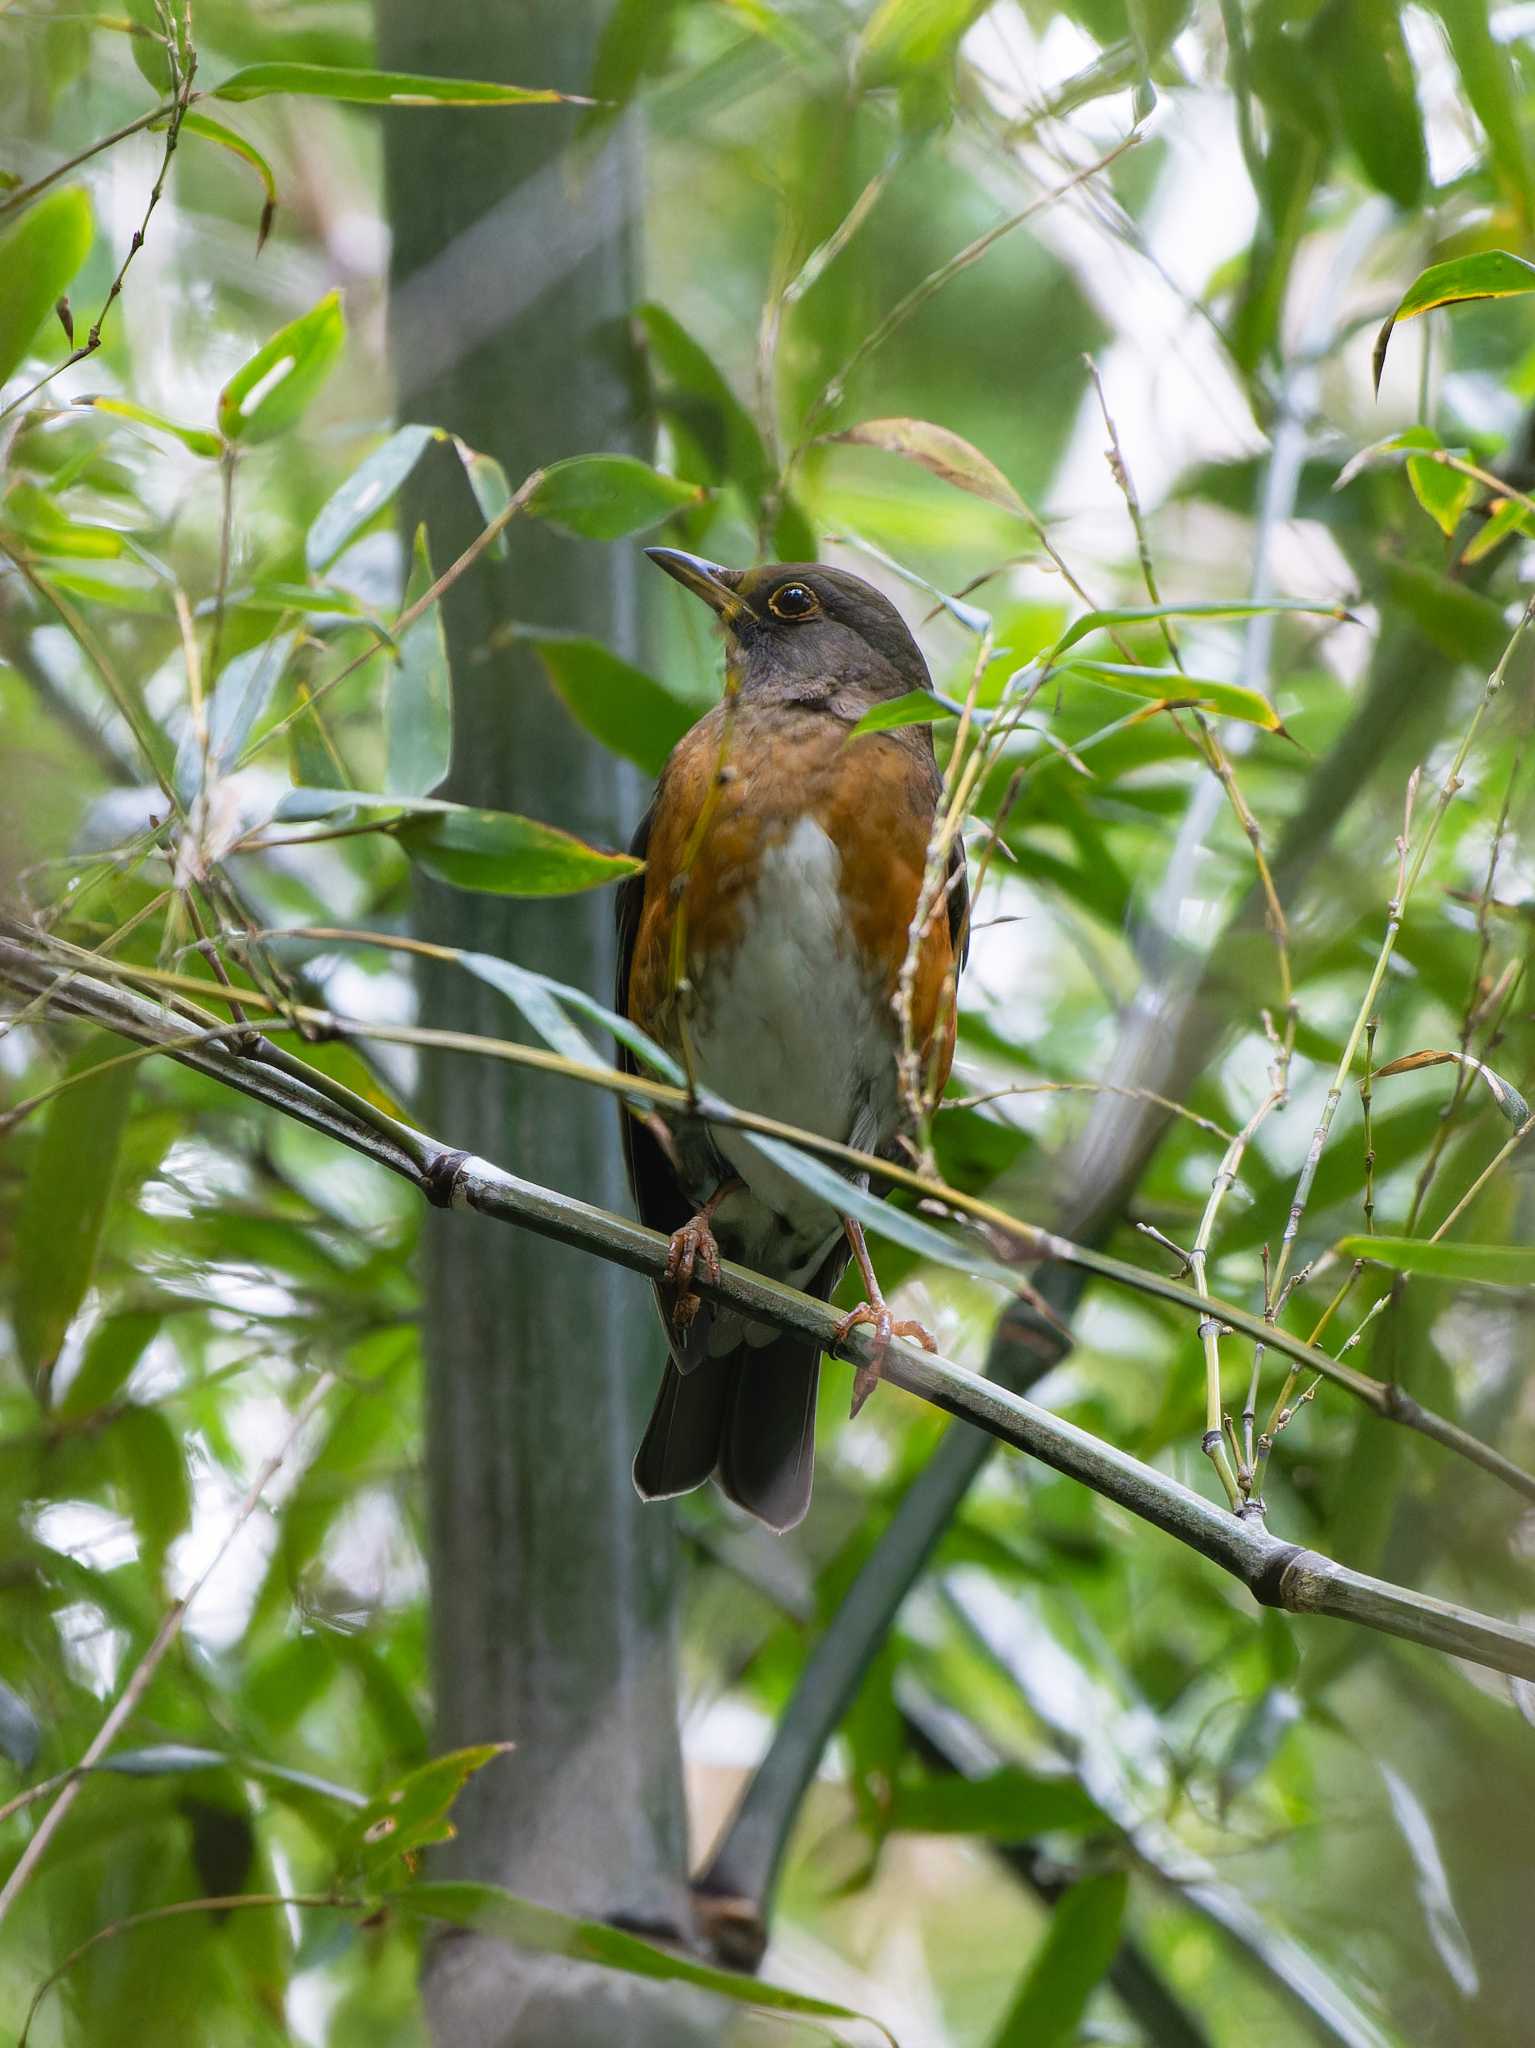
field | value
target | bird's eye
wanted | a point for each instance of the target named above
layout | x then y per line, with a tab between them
794	601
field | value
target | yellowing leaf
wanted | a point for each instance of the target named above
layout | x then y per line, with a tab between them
944	453
1491	274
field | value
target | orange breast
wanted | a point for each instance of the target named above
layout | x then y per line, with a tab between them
736	787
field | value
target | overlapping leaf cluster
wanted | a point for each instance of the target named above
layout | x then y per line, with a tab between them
227	712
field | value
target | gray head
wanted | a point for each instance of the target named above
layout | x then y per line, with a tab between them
803	627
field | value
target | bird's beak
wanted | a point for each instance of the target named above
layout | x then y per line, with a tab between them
711	581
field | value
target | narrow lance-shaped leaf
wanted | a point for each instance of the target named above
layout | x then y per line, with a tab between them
152	1472
942	453
491	487
1433	1885
698	399
917	707
1226	610
37	260
64	1201
1487	1265
1069	1964
418	714
605	497
197	439
116	1345
380	88
1493	86
1366	58
240	697
902	37
364	495
489	1910
629	711
1007	1805
495	851
1227	700
1491	274
270	391
195	123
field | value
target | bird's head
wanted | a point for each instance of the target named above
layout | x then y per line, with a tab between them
803	628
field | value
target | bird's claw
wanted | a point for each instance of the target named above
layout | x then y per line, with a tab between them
693	1249
877	1313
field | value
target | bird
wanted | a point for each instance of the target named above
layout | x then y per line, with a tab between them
762	944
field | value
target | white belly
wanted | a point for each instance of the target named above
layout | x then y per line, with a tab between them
790	1025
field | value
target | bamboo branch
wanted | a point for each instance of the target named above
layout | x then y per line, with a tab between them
69	987
1278	1574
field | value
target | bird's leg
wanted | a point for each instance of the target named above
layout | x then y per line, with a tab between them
873	1309
693	1248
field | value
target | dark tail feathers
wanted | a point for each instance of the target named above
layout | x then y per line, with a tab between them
750	1416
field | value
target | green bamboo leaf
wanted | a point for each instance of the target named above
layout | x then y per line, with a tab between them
1445	1928
1259	1735
544	1002
240	698
496	851
488	1909
413	1811
418	712
1507	516
942	453
491	487
605	497
1233	609
1227	700
1464	625
844	1197
632	713
314	600
1405	442
116	1345
152	1472
37	260
1365	57
380	88
1068	1965
1493	88
183	1759
917	707
197	439
1490	274
204	125
364	495
505	855
1443	492
697	400
1006	1805
64	1201
1486	1265
903	37
270	391
33	515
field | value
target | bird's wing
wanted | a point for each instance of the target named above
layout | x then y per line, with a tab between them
959	905
658	1199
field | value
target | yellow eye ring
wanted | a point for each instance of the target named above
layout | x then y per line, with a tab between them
794	601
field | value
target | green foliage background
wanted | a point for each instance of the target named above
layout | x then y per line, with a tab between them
1308	1833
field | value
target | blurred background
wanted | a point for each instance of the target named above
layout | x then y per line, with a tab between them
1084	1789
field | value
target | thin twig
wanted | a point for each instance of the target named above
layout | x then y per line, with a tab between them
1408	873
